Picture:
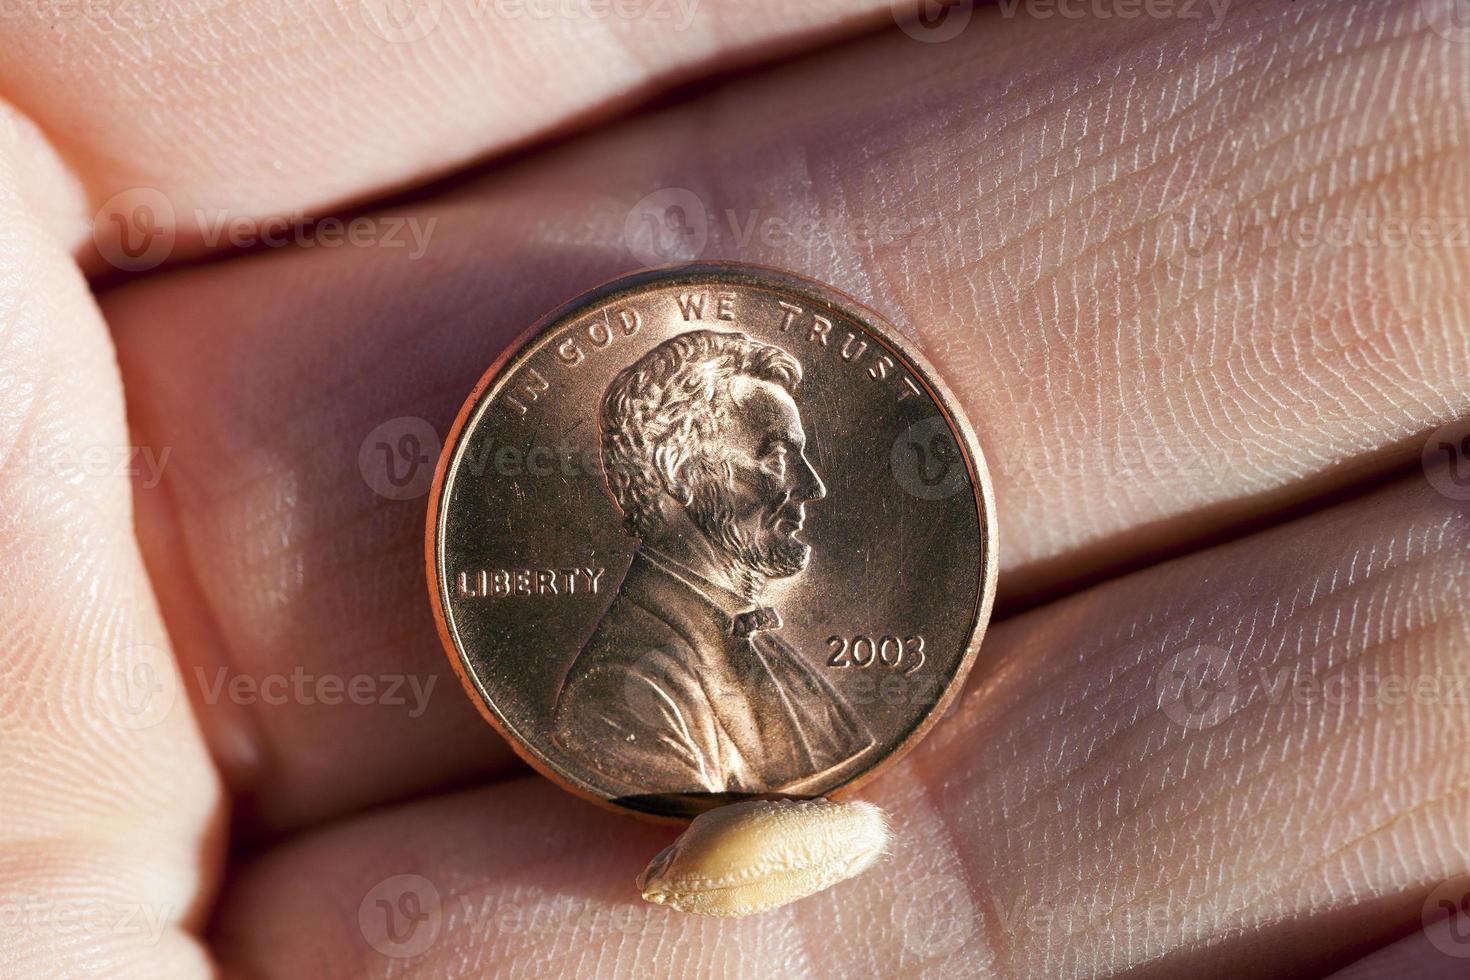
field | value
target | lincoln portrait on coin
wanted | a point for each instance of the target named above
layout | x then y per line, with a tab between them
685	685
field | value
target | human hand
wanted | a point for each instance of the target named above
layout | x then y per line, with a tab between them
1218	728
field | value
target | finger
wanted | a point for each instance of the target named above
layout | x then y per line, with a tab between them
182	118
1437	952
109	805
1133	399
1272	742
1074	816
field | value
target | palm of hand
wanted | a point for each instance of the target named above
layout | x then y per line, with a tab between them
1205	414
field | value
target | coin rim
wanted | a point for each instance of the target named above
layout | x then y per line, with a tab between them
731	273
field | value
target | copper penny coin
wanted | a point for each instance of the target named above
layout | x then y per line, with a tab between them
711	532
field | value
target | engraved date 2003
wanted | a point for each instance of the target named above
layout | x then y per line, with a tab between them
906	655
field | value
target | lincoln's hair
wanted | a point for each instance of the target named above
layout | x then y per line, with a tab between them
661	412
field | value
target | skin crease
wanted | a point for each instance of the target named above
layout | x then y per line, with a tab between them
249	109
1059	823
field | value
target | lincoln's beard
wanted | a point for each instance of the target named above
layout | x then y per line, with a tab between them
752	561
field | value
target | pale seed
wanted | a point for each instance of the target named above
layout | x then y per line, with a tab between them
759	855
